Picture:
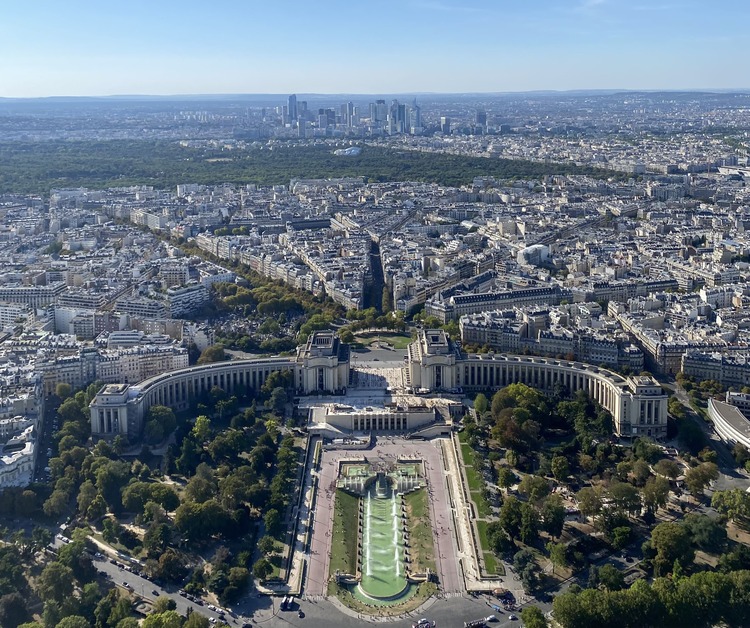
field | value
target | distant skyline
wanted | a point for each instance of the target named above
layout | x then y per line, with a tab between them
169	47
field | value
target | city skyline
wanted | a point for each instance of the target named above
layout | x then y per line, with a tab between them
414	46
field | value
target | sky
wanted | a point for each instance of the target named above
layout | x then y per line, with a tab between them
163	47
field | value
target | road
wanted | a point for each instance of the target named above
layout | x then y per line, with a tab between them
725	459
148	590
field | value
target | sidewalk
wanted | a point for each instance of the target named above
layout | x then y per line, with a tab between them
468	552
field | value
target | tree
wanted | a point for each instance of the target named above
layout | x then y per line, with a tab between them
56	504
505	477
277	401
171	566
202	429
655	493
625	497
593	580
553	515
169	619
529	531
272	522
668	468
527	569
532	617
736	560
86	496
266	545
346	335
13	609
497	538
698	478
190	456
156	539
63	390
733	504
481	405
74	621
641	472
705	533
262	569
55	583
560	468
104	608
589	501
611	578
510	516
621	537
214	353
557	555
164	604
201	488
646	449
196	620
671	541
741	454
534	487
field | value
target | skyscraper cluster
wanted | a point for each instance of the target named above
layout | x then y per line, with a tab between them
380	117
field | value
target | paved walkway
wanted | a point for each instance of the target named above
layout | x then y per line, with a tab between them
456	556
463	516
441	519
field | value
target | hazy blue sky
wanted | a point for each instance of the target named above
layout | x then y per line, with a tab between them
103	47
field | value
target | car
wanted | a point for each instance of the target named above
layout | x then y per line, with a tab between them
490	618
198	601
98	555
212	620
155	592
113	561
127	586
247	625
211	607
513	617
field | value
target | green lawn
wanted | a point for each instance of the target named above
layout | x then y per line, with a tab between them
474	479
491	563
422	546
468	454
483	507
398	341
345	533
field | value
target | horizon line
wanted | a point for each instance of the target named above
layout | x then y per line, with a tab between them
696	90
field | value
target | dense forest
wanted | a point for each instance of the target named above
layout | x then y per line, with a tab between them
35	167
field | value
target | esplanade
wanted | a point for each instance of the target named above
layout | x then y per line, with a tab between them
433	364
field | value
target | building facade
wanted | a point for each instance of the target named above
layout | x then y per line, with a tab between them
638	404
320	366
